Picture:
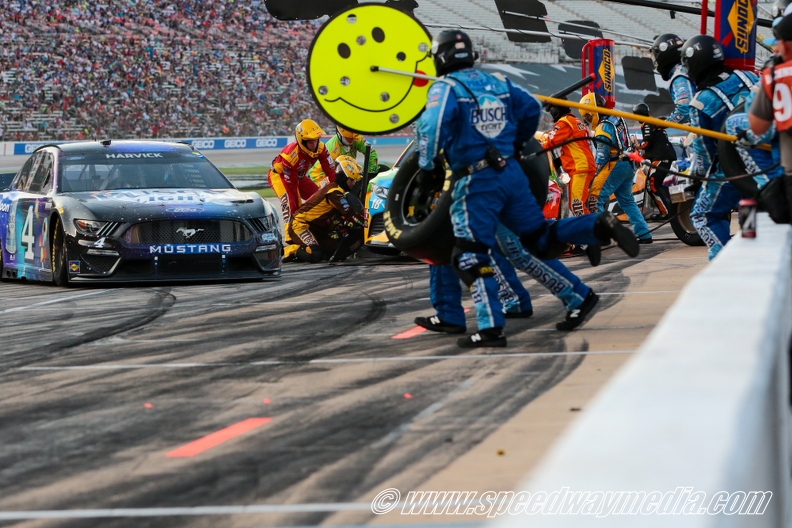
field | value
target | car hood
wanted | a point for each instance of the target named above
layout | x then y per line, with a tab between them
384	179
147	204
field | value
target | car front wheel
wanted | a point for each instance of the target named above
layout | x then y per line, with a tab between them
60	268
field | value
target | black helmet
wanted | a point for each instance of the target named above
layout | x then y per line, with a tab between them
641	109
701	54
778	8
452	50
558	111
665	53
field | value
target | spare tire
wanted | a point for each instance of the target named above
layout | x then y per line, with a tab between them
417	213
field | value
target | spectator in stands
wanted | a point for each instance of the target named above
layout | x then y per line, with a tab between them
70	66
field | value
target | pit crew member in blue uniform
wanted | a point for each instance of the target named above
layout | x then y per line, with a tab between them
446	292
720	90
667	61
477	119
614	170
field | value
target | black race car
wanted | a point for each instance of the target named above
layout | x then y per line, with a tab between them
118	211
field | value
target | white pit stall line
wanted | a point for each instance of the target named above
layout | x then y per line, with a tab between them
132	366
53	301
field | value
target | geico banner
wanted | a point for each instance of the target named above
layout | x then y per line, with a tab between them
199	143
735	29
270	142
239	143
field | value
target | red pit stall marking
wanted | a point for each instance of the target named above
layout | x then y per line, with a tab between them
223	435
415	331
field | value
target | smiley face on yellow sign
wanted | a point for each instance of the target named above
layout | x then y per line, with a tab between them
340	68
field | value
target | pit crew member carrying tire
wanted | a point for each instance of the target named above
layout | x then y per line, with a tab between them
476	119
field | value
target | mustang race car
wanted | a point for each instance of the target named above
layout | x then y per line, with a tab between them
118	211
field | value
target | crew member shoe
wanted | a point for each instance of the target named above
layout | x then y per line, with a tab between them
436	325
594	254
576	317
491	337
518	315
645	240
607	227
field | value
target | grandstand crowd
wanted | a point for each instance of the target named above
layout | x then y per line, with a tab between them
72	69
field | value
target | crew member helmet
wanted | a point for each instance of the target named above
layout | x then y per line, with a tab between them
594	100
641	109
666	53
308	130
347	137
350	167
452	50
701	54
779	6
558	111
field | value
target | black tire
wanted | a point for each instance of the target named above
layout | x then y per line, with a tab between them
683	226
417	214
59	260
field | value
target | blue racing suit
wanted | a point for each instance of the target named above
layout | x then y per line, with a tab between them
620	172
446	290
709	109
711	214
682	90
468	112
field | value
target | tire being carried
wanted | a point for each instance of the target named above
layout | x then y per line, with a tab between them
417	214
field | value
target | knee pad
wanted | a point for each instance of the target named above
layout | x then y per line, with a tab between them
467	262
311	254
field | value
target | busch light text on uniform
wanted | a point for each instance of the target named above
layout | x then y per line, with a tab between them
189	249
489	117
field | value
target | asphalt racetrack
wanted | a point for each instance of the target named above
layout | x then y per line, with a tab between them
291	402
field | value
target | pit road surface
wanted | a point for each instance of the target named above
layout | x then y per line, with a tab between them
278	396
99	386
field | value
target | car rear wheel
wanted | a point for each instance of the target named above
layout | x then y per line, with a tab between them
417	214
60	268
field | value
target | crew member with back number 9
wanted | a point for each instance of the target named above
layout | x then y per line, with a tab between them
289	178
477	119
773	104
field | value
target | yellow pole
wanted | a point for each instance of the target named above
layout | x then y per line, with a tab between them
643	119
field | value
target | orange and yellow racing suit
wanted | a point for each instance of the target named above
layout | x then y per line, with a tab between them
288	176
577	159
317	219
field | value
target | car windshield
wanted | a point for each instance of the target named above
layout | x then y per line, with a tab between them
151	170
